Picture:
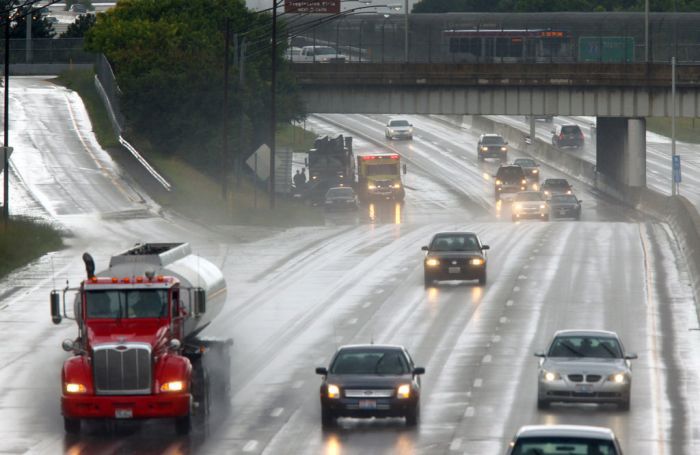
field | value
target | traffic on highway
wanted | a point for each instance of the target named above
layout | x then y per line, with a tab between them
460	296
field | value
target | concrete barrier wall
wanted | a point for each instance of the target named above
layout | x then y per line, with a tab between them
681	215
44	69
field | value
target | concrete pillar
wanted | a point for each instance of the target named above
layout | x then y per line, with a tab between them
621	150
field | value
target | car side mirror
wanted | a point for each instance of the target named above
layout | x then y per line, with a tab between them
424	248
505	143
405	169
539	354
322	371
554	131
419	370
580	201
631	356
485	247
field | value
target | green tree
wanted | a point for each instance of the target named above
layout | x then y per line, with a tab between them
168	57
81	25
19	12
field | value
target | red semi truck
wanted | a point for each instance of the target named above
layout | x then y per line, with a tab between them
138	354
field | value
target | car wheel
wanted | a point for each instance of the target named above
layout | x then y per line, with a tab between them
410	138
482	278
413	416
578	217
498	197
481	158
504	158
624	405
546	218
513	218
72	426
328	419
183	425
428	280
542	404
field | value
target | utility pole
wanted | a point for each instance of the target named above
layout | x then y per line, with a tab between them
224	127
241	121
6	143
673	126
405	41
646	31
273	106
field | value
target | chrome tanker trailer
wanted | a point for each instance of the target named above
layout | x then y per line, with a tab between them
138	353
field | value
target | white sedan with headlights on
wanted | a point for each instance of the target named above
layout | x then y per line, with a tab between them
530	204
398	129
585	366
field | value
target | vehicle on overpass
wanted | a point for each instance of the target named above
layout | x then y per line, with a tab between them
370	380
398	129
585	366
530	204
567	136
138	353
508	46
492	146
321	54
530	168
379	177
550	187
565	206
561	439
510	179
454	256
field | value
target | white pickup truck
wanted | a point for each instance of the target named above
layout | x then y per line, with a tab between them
320	54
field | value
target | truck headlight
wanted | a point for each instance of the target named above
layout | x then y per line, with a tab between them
404	391
504	149
542	206
498	182
476	261
484	149
432	262
333	391
397	185
524	181
74	387
173	386
535	171
617	378
550	376
371	187
517	207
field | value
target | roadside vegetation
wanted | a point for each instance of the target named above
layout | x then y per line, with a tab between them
22	240
687	129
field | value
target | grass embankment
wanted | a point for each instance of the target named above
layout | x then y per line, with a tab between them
23	240
687	129
195	194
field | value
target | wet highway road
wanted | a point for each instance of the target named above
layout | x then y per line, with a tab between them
295	294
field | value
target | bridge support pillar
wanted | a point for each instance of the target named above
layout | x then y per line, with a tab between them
621	149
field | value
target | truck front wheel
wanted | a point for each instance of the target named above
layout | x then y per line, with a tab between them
72	426
183	425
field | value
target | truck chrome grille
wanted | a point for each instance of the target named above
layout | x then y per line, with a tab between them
122	369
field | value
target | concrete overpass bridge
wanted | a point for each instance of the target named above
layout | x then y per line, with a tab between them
621	96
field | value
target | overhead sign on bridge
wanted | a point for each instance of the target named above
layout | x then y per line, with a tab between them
312	6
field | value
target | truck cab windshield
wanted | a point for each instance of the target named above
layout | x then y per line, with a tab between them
383	169
127	304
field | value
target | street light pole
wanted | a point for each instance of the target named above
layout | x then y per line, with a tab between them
673	126
273	106
6	164
646	31
405	26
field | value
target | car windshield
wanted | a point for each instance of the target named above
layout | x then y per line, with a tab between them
564	198
563	445
455	242
510	173
324	51
525	163
586	346
398	123
338	192
570	129
556	182
493	140
529	196
136	303
375	361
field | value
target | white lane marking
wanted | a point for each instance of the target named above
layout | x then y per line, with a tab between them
536	250
496	338
379	291
486	359
456	444
526	266
509	303
277	412
250	445
478	382
366	304
297	384
469	412
503	320
522	277
516	288
352	321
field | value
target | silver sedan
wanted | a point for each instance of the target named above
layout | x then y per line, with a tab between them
585	366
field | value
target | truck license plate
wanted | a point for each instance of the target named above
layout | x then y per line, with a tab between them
454	270
368	404
123	413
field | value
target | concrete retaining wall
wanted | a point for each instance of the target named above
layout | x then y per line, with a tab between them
44	69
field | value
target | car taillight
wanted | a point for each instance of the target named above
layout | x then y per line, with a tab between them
561	136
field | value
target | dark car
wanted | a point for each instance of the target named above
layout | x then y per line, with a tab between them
79	8
565	206
509	179
530	168
492	146
550	187
370	381
567	136
341	198
455	256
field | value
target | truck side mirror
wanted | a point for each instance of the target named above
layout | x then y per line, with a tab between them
55	307
404	169
200	301
306	162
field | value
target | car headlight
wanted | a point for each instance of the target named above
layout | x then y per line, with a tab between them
432	262
173	386
542	206
535	171
476	261
550	376
333	391
74	387
517	207
524	181
504	149
397	185
546	192
618	378
404	391
568	192
498	182
391	131
484	149
371	187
